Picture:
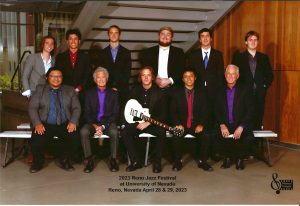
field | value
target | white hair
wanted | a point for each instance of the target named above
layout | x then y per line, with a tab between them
101	69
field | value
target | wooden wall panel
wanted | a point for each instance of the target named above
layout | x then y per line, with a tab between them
278	24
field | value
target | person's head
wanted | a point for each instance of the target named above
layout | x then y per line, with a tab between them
189	78
114	33
73	37
55	77
146	76
231	75
251	40
205	37
165	36
48	44
101	76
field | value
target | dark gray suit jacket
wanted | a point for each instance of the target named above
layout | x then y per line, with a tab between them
39	104
33	72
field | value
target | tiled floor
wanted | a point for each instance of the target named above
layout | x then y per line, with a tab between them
191	185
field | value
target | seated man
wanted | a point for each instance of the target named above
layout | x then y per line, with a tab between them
234	110
54	110
151	97
189	112
100	113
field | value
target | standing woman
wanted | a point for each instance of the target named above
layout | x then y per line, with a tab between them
37	65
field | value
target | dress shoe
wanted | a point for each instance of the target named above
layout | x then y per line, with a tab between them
205	166
89	166
156	167
134	166
35	168
226	163
240	164
66	165
113	165
177	166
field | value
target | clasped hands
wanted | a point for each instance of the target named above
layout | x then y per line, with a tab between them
225	132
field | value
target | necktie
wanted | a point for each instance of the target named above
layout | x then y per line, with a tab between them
205	60
190	109
58	107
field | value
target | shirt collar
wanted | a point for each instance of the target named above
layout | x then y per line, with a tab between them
164	48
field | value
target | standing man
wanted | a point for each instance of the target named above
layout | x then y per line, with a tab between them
208	64
37	65
151	97
234	110
166	60
74	63
100	113
189	112
54	110
256	72
117	60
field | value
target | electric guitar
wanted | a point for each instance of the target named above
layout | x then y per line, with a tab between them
134	109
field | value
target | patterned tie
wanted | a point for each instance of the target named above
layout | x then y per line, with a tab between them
190	109
205	60
58	107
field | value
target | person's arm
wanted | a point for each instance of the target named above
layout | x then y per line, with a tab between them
27	70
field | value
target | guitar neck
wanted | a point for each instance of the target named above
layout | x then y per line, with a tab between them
153	121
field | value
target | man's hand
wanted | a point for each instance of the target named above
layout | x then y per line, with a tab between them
143	125
114	88
238	132
224	130
39	129
162	82
71	127
199	128
98	129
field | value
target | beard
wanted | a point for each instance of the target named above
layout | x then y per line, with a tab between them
164	44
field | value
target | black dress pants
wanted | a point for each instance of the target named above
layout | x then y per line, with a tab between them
130	134
63	146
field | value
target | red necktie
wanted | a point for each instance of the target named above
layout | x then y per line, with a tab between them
190	110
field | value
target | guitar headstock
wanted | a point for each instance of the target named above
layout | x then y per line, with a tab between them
177	132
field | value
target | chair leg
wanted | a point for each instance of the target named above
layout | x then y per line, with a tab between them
5	153
147	151
269	153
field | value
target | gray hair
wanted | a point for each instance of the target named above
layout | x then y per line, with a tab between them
100	69
233	66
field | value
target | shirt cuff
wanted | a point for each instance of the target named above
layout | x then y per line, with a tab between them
27	93
172	82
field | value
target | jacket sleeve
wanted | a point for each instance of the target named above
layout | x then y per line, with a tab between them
34	104
29	63
75	108
268	72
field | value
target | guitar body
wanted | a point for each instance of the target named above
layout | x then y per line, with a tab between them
134	109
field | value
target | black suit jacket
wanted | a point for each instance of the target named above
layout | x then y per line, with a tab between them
263	76
176	61
78	76
157	105
213	75
179	107
91	107
119	71
242	107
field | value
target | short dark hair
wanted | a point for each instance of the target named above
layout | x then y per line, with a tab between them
53	69
144	68
205	30
75	31
114	26
189	70
251	33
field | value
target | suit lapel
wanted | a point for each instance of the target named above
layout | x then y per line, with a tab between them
41	65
